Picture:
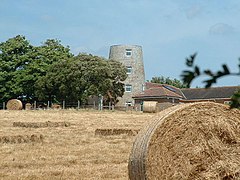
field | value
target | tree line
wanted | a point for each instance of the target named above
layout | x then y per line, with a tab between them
51	72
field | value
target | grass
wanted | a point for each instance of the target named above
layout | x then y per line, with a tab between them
72	152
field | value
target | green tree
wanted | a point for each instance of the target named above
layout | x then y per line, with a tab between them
117	76
166	80
189	75
80	77
21	64
14	57
50	52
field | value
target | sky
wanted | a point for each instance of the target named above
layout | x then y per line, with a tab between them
169	31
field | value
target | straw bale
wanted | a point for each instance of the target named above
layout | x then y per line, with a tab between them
56	106
150	106
28	106
189	141
111	132
18	139
41	124
14	104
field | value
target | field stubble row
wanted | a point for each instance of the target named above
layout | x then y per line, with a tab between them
72	152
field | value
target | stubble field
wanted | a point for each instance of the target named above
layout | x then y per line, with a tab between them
67	152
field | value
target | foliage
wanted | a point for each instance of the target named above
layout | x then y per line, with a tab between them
174	82
22	64
51	72
80	77
117	76
14	57
189	75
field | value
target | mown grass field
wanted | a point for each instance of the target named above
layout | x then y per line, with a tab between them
72	152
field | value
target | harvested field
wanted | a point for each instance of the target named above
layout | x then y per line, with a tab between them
112	132
189	141
72	152
41	124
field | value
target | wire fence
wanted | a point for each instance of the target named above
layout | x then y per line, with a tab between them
47	105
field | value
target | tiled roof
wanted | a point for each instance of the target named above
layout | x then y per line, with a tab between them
209	93
159	90
154	90
149	85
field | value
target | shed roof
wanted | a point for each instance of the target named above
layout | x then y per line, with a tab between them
154	90
174	89
209	93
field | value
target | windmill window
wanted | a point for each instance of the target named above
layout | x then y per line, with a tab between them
128	88
128	52
128	103
129	69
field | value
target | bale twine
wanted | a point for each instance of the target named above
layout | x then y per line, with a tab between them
190	141
14	104
28	106
150	106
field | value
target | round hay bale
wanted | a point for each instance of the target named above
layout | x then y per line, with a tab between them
150	106
14	104
189	141
28	106
56	106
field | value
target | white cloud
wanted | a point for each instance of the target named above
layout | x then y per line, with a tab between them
221	28
194	11
47	17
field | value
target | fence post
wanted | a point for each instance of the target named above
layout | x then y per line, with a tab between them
4	106
35	105
48	105
112	107
100	105
94	105
63	104
78	105
109	105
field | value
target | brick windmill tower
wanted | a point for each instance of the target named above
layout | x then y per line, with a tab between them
132	57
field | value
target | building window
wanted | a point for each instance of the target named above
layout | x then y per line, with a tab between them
128	52
128	103
128	88
143	87
227	102
129	69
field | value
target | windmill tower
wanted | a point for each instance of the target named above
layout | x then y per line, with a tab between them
132	57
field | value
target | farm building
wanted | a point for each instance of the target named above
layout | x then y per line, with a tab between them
216	94
167	95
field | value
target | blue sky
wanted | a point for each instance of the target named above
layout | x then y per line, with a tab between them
168	30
